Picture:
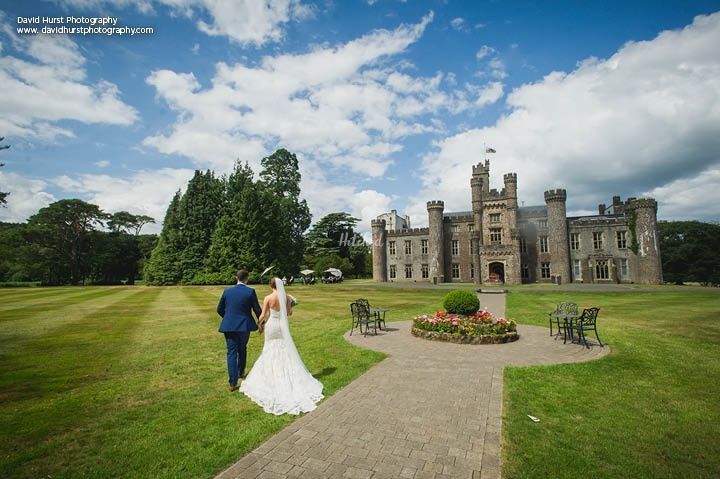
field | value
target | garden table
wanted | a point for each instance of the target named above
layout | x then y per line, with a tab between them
379	314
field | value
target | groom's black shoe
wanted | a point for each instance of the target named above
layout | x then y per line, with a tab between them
232	389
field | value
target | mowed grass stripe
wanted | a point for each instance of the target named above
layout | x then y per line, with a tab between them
51	304
66	383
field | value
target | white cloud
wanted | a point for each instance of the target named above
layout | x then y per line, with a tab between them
457	23
697	197
640	121
341	108
27	196
484	51
247	22
102	163
145	192
53	88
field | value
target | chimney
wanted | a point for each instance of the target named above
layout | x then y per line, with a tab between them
601	209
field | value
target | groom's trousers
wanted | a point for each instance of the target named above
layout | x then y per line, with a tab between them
236	355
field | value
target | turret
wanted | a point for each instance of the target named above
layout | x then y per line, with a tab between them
482	171
642	214
436	245
379	251
510	181
558	244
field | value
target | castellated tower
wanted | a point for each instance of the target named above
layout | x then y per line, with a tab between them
476	239
379	251
436	244
643	213
558	233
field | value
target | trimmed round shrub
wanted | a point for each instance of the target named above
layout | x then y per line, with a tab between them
461	302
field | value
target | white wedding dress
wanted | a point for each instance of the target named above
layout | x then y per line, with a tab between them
279	380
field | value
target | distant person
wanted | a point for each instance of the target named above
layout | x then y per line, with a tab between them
236	307
279	380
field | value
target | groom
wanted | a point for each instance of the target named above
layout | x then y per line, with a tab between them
236	306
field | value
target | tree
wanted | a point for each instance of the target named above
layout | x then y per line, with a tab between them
125	222
281	176
163	267
63	228
334	237
198	212
3	194
689	251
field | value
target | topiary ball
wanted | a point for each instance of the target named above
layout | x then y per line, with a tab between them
461	302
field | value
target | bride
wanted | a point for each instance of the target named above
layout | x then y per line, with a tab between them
279	381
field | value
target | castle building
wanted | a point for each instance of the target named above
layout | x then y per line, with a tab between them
498	241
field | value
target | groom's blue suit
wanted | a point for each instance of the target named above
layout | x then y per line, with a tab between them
236	307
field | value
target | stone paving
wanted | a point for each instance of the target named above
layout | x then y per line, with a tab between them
430	410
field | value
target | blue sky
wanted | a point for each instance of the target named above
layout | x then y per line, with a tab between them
387	103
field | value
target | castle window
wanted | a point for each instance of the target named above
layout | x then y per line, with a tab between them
455	271
408	247
543	244
597	239
624	269
393	271
523	245
545	270
472	270
494	217
496	235
455	228
424	246
621	239
574	241
601	269
577	269
525	271
471	227
424	271
542	223
472	247
408	271
391	247
455	247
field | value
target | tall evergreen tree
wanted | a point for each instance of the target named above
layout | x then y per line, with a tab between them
280	176
200	208
225	250
163	267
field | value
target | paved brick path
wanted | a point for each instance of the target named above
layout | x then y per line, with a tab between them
430	410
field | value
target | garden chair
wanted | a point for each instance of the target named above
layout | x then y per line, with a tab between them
361	316
377	313
564	312
586	322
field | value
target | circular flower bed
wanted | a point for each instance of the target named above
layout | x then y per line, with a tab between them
477	328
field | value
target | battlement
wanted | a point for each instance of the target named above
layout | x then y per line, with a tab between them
436	204
378	224
459	219
481	169
409	232
635	203
556	195
476	181
510	178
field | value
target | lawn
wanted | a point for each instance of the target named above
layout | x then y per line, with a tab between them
129	382
649	410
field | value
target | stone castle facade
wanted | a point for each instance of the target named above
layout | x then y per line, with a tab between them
500	242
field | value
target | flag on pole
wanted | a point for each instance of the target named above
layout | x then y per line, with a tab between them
490	150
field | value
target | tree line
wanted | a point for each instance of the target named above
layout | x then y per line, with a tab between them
223	223
62	244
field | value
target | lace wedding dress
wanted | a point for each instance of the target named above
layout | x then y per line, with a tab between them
279	380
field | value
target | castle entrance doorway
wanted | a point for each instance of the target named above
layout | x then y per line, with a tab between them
497	272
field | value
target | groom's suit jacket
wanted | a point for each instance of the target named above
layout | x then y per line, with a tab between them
236	306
